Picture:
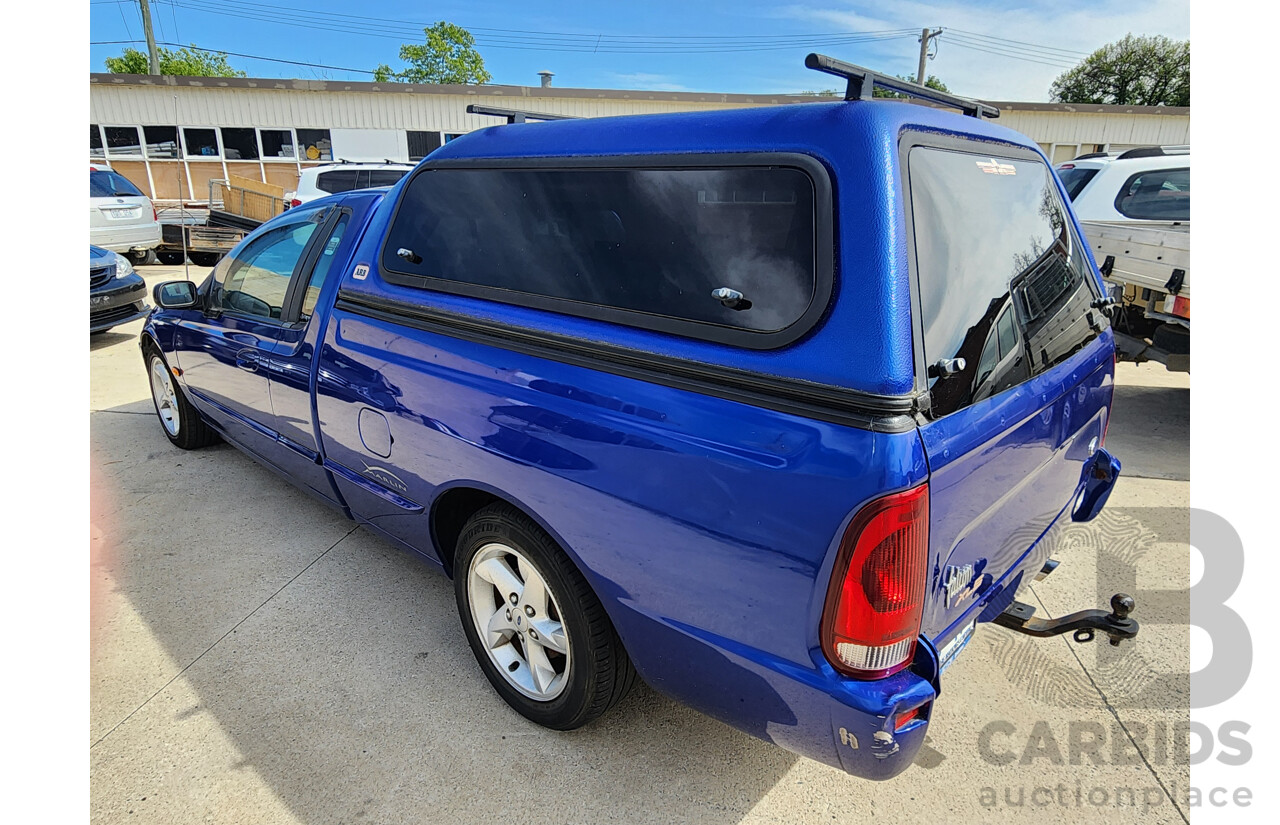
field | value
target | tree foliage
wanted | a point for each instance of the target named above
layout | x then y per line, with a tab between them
188	61
932	82
1135	71
448	56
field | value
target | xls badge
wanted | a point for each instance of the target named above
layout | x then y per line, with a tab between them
361	272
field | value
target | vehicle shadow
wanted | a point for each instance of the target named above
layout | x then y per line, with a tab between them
330	666
110	338
1150	431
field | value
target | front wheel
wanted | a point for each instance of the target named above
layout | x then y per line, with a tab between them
537	630
181	423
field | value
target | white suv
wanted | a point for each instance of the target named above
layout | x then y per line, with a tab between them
121	218
1148	184
319	181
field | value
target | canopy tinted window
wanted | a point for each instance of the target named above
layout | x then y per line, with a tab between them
1005	286
653	241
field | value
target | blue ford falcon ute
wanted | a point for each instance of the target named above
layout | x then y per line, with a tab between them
766	407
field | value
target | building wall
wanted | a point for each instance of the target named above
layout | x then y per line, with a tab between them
361	121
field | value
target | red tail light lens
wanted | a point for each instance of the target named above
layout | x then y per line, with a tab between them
294	202
876	597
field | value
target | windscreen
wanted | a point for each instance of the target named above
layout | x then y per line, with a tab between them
1075	179
110	184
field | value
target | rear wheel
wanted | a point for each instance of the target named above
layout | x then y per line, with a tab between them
204	258
170	258
536	628
181	423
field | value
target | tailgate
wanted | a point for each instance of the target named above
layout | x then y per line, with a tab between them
1020	371
1144	255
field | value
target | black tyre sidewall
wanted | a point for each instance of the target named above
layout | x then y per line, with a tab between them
567	710
192	431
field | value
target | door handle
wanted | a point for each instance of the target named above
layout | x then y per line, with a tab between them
247	359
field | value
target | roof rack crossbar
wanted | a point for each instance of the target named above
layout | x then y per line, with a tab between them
862	83
513	115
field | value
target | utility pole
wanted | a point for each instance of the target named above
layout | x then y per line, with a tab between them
925	37
151	37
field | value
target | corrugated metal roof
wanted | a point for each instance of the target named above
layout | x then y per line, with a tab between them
564	93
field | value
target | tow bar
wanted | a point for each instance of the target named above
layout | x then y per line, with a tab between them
1082	624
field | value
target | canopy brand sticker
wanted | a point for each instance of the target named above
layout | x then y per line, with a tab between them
361	272
995	167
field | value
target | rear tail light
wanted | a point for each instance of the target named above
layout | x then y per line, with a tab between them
876	597
1182	307
155	214
294	202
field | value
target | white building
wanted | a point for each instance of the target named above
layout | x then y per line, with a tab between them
171	135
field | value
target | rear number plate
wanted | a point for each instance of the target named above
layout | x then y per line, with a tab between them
120	213
952	648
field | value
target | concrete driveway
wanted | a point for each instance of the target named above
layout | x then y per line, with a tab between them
257	658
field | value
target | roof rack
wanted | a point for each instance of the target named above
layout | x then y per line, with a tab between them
862	83
1092	155
513	115
1155	152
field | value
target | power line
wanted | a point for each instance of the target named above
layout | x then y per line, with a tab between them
961	45
235	54
539	41
1021	43
1014	50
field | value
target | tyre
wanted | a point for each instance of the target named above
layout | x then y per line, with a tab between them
142	258
170	258
204	258
1173	339
536	628
179	420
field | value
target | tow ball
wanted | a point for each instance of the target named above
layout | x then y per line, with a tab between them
1082	625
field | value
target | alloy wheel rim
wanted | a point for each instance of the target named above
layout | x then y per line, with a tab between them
519	622
165	397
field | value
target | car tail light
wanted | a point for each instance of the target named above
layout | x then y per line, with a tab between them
907	717
1182	307
876	597
294	202
155	213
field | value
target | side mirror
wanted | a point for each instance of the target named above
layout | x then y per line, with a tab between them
176	295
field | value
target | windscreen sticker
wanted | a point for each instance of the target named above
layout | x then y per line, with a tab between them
995	167
361	272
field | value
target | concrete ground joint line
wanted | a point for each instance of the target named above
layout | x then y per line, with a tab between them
246	618
123	412
1111	709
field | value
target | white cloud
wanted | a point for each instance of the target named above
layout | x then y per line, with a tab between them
1079	28
649	81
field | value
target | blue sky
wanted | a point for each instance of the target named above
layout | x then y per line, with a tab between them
995	49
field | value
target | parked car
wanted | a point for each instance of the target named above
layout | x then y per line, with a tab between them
121	218
117	294
767	407
318	181
1135	208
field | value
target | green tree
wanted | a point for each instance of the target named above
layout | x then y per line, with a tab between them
189	61
1135	71
448	56
932	82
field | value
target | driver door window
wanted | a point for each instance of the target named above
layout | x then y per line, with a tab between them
257	279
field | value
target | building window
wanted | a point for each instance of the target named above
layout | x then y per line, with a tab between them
239	144
201	143
123	141
448	136
422	144
95	142
314	144
277	144
162	141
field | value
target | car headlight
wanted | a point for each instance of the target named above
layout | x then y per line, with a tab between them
123	268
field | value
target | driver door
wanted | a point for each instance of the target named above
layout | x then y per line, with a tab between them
225	352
